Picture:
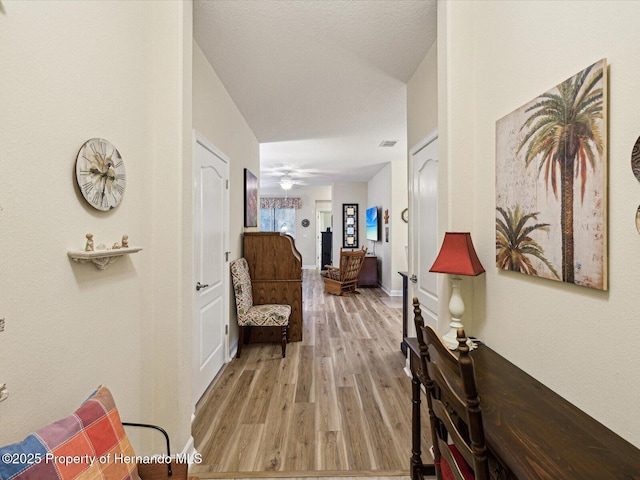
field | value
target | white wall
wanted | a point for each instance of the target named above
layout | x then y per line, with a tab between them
422	99
305	237
348	192
399	229
168	308
422	119
71	327
495	56
388	191
379	195
217	118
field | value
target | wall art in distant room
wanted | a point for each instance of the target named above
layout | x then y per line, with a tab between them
551	183
250	199
350	225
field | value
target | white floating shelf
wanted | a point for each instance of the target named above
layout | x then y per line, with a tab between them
101	258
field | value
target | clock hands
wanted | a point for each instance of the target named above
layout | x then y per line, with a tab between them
99	161
108	175
104	175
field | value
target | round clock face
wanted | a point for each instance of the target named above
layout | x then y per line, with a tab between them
100	174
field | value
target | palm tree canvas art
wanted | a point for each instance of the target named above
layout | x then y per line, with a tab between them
551	183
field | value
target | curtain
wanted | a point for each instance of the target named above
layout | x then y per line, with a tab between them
275	202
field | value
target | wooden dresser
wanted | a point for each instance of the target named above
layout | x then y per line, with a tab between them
369	274
275	267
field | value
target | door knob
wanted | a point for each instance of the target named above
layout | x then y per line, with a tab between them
200	286
413	278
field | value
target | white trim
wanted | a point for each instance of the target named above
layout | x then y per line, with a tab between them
309	267
233	350
391	293
189	449
424	142
198	138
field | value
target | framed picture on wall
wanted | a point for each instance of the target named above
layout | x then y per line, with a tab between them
349	225
250	199
551	183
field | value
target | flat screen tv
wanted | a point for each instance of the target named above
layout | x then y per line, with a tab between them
372	224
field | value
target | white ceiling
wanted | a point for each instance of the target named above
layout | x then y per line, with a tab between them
320	82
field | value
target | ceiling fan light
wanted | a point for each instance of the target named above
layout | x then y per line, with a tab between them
286	182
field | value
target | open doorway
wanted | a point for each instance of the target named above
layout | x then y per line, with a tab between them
323	240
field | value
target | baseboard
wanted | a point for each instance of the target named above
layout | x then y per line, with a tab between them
391	293
309	267
189	449
189	452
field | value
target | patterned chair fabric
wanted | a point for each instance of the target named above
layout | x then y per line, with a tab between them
250	315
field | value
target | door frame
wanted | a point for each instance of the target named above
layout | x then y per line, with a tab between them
198	138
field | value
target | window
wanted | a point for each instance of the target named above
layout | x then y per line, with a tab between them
278	220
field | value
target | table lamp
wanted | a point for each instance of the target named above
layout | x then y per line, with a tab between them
456	257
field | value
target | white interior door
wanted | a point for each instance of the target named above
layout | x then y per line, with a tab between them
423	220
211	282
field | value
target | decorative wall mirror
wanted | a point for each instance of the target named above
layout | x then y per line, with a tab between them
350	225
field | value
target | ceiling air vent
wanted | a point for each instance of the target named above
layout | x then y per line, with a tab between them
388	143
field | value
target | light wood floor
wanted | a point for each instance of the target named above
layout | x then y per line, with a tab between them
339	404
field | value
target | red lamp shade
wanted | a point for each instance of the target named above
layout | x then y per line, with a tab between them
457	256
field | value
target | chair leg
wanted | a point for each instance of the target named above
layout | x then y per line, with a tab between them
284	340
240	340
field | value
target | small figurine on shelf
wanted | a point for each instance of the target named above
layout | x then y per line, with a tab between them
89	246
115	246
125	241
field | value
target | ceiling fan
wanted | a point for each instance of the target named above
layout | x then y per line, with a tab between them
286	182
287	176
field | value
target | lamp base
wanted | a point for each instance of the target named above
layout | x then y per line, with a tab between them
456	309
450	339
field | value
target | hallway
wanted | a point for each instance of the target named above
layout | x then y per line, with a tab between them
337	405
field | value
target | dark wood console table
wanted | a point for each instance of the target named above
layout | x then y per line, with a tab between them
531	431
405	316
369	273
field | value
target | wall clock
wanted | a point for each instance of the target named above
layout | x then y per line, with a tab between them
305	222
100	174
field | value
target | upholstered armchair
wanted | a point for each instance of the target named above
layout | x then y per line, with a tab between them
250	315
